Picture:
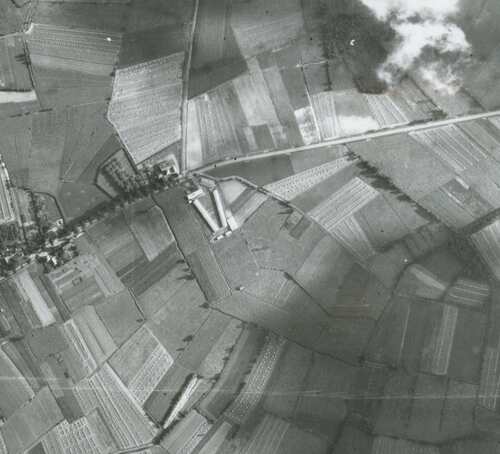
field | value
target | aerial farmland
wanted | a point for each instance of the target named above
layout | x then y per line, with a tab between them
249	227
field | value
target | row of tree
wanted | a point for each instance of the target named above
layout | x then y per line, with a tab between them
145	183
380	181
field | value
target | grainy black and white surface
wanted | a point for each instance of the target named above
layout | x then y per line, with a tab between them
250	226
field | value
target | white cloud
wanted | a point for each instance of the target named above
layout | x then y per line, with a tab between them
404	9
414	38
421	25
441	77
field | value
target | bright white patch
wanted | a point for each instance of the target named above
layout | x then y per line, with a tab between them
404	9
440	36
353	124
17	96
441	78
422	25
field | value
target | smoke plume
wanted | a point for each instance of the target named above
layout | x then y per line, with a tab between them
428	42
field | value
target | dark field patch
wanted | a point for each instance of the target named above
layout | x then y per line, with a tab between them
144	45
216	57
259	172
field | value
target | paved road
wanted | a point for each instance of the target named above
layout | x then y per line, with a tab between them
350	139
185	84
135	449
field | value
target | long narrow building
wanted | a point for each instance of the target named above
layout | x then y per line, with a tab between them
7	210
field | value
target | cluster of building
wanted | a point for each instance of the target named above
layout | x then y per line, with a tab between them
207	198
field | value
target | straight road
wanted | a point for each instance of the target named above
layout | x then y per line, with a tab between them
185	85
405	129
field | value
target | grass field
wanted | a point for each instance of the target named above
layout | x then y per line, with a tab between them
95	334
246	349
386	341
185	225
120	315
321	406
116	242
479	21
186	304
209	340
45	155
215	360
272	244
236	261
14	74
110	147
319	279
353	438
15	392
141	274
260	26
287	382
216	57
151	231
57	152
148	14
11	17
18	440
82	15
76	199
162	284
50	207
18	103
465	356
149	44
87	133
56	88
16	142
81	289
163	397
427	172
72	64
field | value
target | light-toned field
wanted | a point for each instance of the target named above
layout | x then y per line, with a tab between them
145	105
141	363
34	298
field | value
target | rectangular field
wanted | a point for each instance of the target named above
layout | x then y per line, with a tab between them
151	231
